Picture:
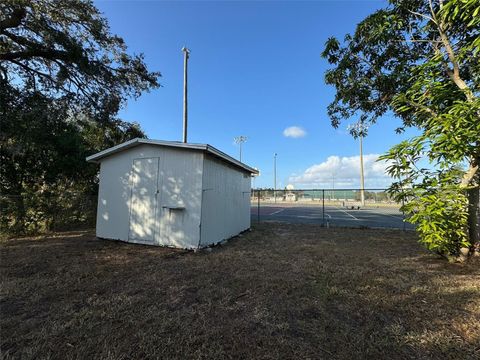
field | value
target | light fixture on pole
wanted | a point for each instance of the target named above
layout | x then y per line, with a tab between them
239	140
275	177
359	129
186	55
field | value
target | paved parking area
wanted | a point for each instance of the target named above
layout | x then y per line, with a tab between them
374	217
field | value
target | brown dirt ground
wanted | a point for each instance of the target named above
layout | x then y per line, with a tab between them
281	291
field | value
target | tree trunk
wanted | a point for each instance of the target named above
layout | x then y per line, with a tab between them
474	219
19	213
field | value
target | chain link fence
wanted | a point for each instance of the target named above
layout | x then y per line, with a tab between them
39	213
372	208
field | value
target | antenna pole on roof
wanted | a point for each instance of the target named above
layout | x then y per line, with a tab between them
186	54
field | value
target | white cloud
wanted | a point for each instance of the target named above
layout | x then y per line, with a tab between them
294	132
344	172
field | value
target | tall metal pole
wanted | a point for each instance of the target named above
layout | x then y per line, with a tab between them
240	140
359	129
186	54
275	177
362	179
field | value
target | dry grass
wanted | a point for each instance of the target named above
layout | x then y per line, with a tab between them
281	291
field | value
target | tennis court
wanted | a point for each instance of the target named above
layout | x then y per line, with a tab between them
330	215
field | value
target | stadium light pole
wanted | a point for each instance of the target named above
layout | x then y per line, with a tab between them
358	130
239	140
186	55
362	178
275	177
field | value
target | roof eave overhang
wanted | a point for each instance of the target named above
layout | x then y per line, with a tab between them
96	158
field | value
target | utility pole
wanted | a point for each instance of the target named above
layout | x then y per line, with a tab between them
275	177
240	140
362	178
359	130
186	55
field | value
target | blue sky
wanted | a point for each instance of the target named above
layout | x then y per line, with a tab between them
255	70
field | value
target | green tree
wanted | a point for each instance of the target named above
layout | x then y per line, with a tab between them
419	59
63	79
64	48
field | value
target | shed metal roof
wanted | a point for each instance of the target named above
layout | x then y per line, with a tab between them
96	158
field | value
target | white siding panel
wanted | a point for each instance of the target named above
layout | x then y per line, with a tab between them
143	199
225	201
179	181
180	194
113	211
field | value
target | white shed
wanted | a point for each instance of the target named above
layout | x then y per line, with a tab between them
171	194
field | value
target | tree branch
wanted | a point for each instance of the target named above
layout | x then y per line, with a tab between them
421	107
422	15
4	73
14	20
469	175
31	49
29	69
432	12
368	63
416	40
454	73
49	54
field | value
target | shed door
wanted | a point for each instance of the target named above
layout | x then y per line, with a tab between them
143	202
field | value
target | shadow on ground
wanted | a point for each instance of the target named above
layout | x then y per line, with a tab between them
280	291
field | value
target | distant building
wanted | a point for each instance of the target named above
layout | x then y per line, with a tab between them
290	196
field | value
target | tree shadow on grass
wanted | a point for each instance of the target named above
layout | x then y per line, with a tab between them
277	292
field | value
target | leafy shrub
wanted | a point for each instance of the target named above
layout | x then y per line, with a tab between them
441	216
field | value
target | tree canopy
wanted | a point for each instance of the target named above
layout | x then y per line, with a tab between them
63	79
65	49
420	60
